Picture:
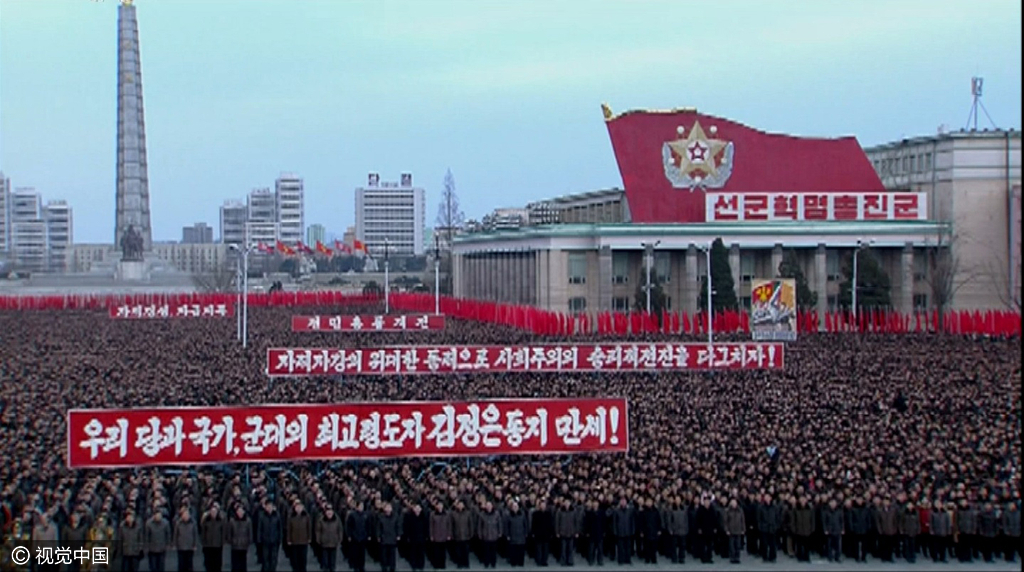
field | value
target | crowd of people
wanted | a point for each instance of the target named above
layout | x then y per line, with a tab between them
865	447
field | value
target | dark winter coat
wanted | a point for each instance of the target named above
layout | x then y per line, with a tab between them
238	533
268	528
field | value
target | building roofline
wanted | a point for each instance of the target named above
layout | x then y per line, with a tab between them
948	136
797	228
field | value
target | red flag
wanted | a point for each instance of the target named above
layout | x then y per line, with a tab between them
284	248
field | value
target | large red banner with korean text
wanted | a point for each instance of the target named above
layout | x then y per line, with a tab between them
412	360
160	311
268	433
368	323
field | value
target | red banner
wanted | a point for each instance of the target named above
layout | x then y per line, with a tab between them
267	433
368	323
412	360
154	311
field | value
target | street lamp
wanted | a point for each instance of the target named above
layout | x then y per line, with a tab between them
649	256
387	286
437	276
244	252
707	255
238	297
853	285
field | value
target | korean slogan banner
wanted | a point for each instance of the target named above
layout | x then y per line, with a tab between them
268	433
162	311
773	310
370	323
410	360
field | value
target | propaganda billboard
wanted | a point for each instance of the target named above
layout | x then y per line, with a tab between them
773	310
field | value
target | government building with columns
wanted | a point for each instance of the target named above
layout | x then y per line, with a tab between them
691	178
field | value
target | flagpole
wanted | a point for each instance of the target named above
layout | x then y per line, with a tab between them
387	285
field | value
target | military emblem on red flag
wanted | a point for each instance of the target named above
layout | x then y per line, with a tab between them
695	160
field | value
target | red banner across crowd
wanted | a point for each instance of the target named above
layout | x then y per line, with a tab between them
368	323
411	360
155	311
267	433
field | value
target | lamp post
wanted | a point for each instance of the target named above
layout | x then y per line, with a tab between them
437	276
853	285
707	255
387	285
238	298
649	257
244	252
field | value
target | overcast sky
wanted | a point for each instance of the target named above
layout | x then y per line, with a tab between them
506	94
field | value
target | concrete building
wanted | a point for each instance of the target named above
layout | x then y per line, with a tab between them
59	234
1015	249
194	258
391	212
29	245
349	237
5	215
314	234
691	178
262	232
132	167
26	205
233	217
290	208
198	233
262	205
968	177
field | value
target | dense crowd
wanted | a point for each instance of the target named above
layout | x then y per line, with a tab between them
864	447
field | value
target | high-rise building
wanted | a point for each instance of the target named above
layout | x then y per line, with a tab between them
132	178
233	218
5	215
28	231
59	234
290	213
391	213
26	205
262	232
314	234
199	233
262	205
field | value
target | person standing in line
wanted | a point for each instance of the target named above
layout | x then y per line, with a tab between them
940	524
462	533
186	540
624	529
328	535
1010	527
909	526
489	528
440	536
735	525
158	540
129	542
415	530
75	535
268	536
649	529
516	530
357	533
832	526
213	531
239	536
566	532
45	535
298	534
542	528
988	530
389	533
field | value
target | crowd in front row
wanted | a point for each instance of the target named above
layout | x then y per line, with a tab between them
864	448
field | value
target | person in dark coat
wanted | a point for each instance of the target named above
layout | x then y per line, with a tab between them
833	527
769	520
415	528
268	536
705	529
542	528
489	528
517	530
858	528
440	536
462	534
389	532
298	534
941	527
356	534
212	533
802	526
328	534
130	542
157	540
735	525
186	540
594	530
1010	527
988	530
649	530
238	534
624	529
909	527
886	517
566	532
74	536
967	529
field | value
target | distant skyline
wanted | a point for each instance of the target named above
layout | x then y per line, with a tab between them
506	95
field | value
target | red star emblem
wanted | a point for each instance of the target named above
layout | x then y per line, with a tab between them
698	152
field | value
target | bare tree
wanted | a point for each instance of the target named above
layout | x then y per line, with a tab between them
449	218
221	278
1008	292
946	274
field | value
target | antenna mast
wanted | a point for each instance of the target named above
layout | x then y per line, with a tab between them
972	117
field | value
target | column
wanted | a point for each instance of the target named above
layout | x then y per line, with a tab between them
907	279
821	283
776	260
604	278
691	286
734	266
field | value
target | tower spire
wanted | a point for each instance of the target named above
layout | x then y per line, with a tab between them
132	208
